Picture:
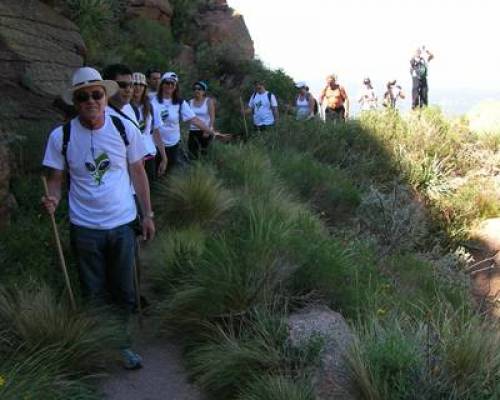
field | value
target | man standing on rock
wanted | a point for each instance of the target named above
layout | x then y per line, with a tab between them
419	69
101	156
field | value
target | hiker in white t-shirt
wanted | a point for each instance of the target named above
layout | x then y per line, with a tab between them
204	109
304	102
119	104
368	98
169	110
263	106
101	155
153	77
144	113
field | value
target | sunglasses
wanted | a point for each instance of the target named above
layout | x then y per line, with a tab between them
197	88
139	84
124	84
82	97
169	83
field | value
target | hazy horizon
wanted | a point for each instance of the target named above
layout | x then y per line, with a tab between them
362	38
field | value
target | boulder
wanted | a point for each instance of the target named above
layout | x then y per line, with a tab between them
156	10
331	379
488	233
219	25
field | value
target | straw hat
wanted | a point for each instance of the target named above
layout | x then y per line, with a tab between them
85	77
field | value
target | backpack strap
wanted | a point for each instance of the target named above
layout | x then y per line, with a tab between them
136	112
122	114
118	123
269	97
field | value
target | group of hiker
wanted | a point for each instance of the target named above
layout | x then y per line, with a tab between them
124	133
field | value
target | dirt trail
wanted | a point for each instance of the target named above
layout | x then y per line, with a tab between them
162	377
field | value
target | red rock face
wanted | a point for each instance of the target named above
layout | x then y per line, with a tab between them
156	10
217	24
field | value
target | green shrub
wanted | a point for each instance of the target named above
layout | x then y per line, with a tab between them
192	196
33	320
277	388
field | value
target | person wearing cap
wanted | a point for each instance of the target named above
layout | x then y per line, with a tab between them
393	93
335	100
368	99
204	109
153	77
169	110
119	104
419	67
144	113
304	103
263	106
101	155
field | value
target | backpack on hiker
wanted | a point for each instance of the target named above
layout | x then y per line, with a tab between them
117	122
269	96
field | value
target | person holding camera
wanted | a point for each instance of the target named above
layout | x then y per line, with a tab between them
419	69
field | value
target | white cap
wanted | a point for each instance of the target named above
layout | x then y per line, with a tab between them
300	84
86	77
170	76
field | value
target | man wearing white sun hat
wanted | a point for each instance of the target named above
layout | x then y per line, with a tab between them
101	155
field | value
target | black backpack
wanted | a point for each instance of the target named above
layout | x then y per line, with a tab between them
269	96
117	122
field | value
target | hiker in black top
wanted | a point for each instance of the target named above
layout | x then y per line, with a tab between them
418	70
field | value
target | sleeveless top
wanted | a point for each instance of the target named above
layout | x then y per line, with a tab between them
302	107
201	113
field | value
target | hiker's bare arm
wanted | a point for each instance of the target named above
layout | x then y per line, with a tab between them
141	187
201	125
276	114
311	105
55	178
161	148
346	102
430	56
211	112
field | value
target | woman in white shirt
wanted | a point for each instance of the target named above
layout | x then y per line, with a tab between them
204	109
368	99
144	114
169	110
304	103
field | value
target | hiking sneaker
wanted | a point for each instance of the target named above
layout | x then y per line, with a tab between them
131	360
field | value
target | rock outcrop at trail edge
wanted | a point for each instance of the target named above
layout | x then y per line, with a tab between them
38	51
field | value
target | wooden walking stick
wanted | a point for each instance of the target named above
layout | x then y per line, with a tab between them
137	265
244	117
59	250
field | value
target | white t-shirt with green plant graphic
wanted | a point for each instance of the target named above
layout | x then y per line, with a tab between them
166	119
261	107
100	195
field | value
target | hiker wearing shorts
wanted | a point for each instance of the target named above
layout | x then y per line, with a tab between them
204	109
368	99
101	156
419	70
144	114
263	106
169	110
335	99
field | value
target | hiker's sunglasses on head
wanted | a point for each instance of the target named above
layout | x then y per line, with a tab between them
82	97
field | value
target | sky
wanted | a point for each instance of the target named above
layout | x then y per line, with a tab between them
310	39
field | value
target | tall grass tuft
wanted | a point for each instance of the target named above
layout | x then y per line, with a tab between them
277	388
194	196
33	320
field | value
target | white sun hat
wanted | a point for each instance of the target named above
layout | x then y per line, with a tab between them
300	84
170	76
85	77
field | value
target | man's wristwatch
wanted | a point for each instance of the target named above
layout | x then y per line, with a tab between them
149	215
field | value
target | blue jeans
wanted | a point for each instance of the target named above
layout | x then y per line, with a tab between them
106	260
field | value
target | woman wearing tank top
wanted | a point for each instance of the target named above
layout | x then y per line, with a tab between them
304	104
204	109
